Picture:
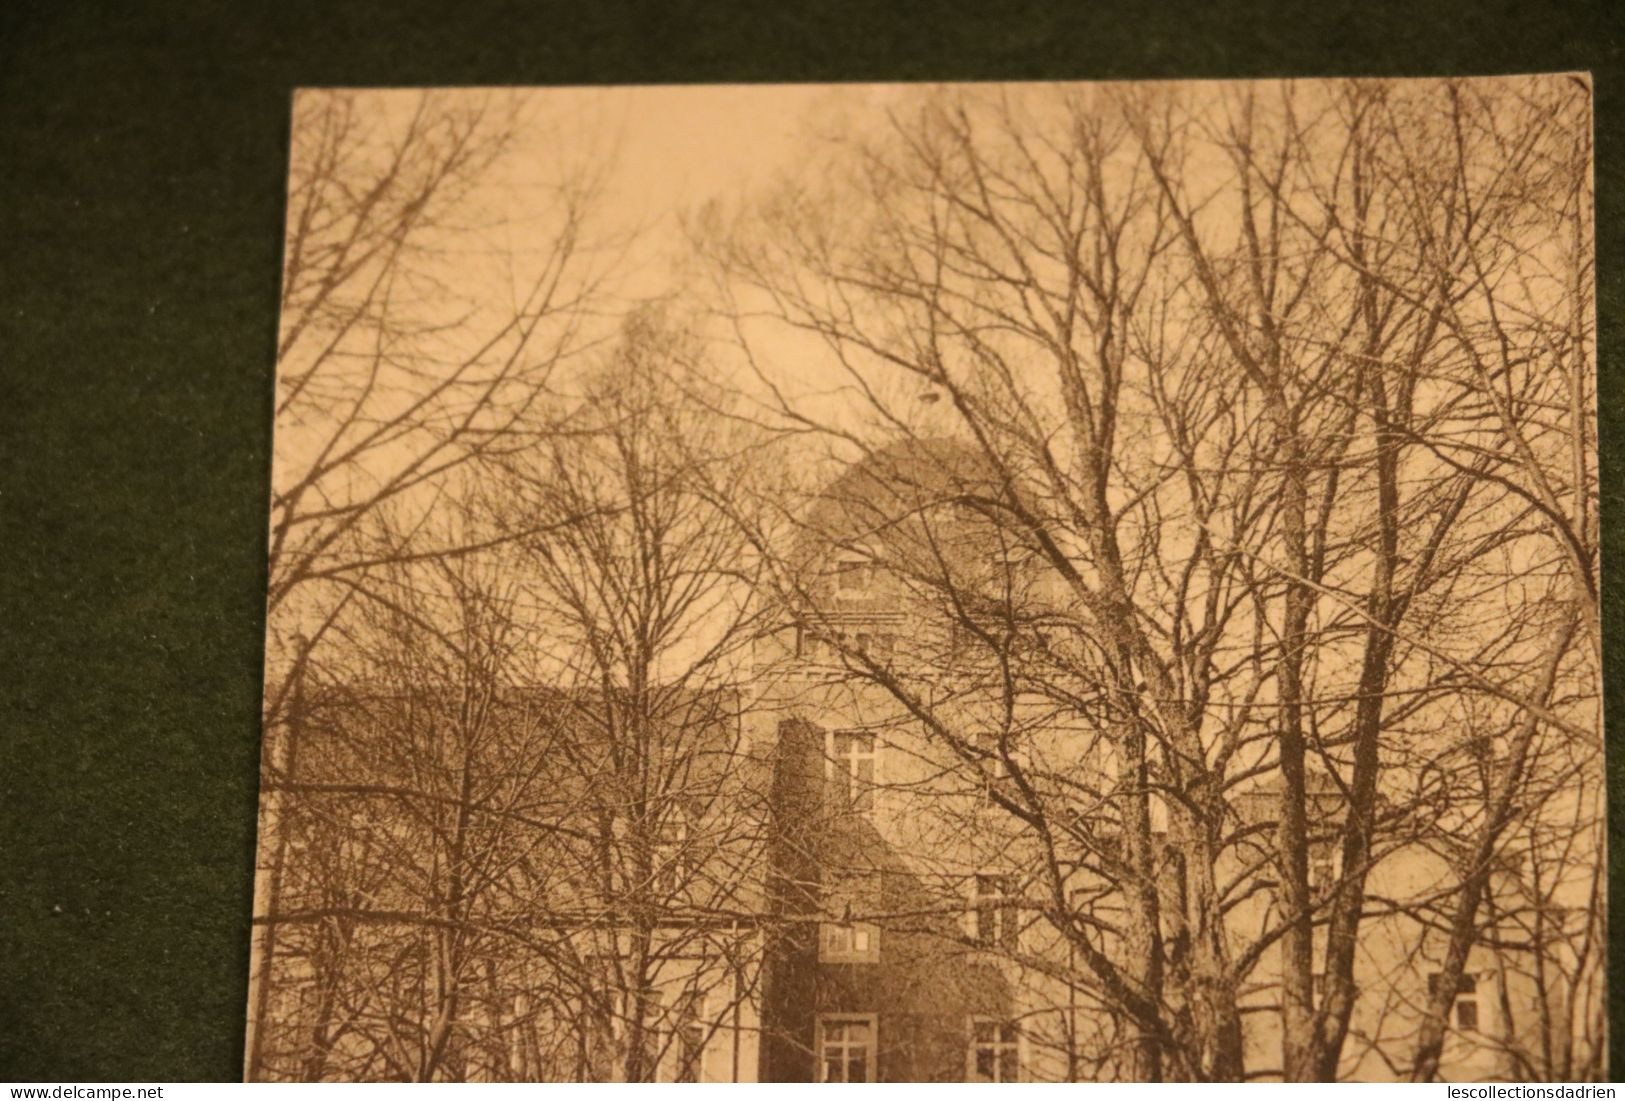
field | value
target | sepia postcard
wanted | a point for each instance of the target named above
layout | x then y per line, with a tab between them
903	583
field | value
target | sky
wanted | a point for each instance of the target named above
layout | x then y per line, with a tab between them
679	147
666	151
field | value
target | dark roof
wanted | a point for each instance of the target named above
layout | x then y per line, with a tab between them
881	492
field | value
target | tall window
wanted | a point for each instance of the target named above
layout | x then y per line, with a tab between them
1464	1011
995	1051
646	1005
1325	865
690	1045
852	768
1097	908
846	1049
993	912
989	758
673	863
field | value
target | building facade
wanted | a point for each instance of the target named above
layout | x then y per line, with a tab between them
894	853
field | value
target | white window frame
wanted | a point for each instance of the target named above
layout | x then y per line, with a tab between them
993	765
858	795
848	942
673	857
1157	812
1104	910
1006	924
809	644
1015	1046
690	1014
1329	861
821	1047
1475	980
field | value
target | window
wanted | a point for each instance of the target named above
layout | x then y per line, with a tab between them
993	912
1465	1010
691	1030
852	769
846	1049
991	760
1158	812
645	1004
1033	643
1325	866
830	647
995	1051
673	857
854	573
1097	910
1012	566
848	942
876	644
812	646
1005	574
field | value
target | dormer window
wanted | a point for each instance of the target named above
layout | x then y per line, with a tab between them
854	573
848	942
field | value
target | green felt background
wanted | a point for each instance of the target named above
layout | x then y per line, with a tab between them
142	149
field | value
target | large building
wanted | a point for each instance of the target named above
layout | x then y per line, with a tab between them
894	852
947	830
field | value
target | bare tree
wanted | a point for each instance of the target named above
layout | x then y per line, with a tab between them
1134	555
642	591
1207	371
423	819
389	380
1516	302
